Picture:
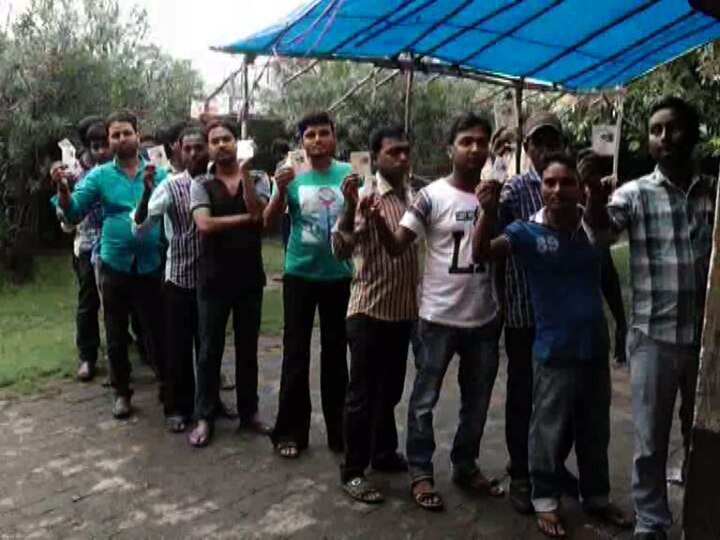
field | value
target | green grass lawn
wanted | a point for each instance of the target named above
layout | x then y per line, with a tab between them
37	321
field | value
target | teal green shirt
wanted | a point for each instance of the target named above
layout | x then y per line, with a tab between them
118	195
315	201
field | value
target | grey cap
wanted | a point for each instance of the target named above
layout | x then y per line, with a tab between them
542	120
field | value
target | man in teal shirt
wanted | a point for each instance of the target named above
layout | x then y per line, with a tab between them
313	278
130	267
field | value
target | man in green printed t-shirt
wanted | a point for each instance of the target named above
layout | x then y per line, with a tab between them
313	278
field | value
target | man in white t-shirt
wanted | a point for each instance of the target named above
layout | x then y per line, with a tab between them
458	313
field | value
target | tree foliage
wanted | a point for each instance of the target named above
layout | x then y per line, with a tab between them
61	60
375	103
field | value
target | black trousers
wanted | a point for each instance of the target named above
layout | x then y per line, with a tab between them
214	309
300	299
87	337
122	293
378	361
181	330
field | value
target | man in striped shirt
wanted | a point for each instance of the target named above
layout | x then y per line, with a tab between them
381	311
170	202
668	215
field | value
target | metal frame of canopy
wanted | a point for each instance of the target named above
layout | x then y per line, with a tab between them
388	21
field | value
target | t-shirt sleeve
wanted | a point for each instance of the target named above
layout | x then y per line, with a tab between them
418	217
262	185
199	197
517	234
620	207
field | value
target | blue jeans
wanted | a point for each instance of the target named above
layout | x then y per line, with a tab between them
478	352
658	371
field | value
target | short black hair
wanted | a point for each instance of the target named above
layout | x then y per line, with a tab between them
85	123
148	137
231	126
468	121
315	118
385	132
191	130
280	147
687	111
122	116
563	159
95	132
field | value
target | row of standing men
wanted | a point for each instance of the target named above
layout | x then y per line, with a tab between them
213	223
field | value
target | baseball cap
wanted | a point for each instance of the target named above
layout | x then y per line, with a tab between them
542	120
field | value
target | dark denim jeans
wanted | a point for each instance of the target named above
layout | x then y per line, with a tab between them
478	352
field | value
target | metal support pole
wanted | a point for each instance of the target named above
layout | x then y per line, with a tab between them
618	132
245	113
518	111
409	81
353	89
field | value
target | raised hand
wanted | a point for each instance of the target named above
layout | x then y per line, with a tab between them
589	170
351	188
488	195
149	178
284	177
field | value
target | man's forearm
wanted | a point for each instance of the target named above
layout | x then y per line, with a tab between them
483	234
214	225
64	201
142	210
347	218
275	207
252	203
596	214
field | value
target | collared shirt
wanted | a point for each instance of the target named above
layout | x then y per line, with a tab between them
670	234
563	273
170	202
383	287
118	195
520	198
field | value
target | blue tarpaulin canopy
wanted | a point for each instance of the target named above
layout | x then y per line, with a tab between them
576	45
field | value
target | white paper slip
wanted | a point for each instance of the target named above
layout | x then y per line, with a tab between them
361	163
157	156
297	159
69	155
245	149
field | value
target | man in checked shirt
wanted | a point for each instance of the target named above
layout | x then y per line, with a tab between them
668	216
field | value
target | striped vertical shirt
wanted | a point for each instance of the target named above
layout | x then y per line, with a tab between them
383	287
670	234
170	202
520	198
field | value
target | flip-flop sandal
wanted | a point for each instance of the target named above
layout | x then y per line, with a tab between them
363	491
547	531
487	486
612	515
427	499
200	437
175	424
288	450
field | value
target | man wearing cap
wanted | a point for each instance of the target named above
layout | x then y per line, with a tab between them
520	198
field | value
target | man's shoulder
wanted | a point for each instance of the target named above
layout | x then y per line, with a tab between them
100	171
